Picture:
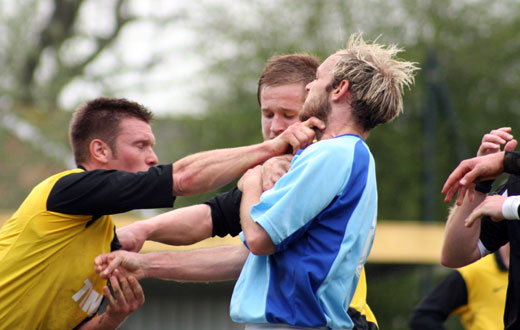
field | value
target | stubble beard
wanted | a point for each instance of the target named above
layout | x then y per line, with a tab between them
318	107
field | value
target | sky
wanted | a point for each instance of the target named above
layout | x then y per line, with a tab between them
169	88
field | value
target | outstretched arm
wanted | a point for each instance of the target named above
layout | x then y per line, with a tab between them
212	264
182	226
212	169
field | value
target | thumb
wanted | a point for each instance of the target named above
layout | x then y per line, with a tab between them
510	145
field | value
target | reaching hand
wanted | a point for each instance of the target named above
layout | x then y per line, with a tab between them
131	237
128	296
273	169
297	136
487	165
123	262
494	140
491	206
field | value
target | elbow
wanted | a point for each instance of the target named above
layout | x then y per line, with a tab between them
260	245
183	183
446	262
451	261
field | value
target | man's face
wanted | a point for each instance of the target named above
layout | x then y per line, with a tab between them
280	106
318	103
133	147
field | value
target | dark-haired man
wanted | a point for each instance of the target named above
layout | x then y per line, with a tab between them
47	248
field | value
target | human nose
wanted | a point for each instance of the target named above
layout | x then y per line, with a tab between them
278	125
152	159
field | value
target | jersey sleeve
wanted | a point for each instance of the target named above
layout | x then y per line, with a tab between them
315	178
225	213
512	162
433	310
101	192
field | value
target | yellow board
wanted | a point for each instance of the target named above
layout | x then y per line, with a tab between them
408	242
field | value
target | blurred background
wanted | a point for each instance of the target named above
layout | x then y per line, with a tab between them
195	65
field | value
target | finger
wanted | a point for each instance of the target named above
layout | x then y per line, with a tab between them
470	220
471	192
493	139
503	132
314	122
101	259
490	145
108	295
452	190
497	135
511	145
118	293
455	176
461	195
469	177
128	293
137	289
109	269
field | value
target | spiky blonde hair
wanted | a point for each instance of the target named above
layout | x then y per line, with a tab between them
376	78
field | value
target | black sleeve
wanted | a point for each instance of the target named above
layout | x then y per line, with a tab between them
102	192
225	213
512	162
433	310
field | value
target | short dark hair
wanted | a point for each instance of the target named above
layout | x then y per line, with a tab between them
288	69
99	119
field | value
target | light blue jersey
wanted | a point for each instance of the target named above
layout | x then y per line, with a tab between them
321	216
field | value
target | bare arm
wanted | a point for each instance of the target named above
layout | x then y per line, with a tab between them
257	239
212	264
463	225
212	169
182	226
460	242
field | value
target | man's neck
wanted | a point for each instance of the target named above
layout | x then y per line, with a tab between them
331	131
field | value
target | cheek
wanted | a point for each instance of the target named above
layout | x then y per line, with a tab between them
266	124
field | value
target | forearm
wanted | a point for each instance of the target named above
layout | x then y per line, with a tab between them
182	226
212	264
210	170
460	242
257	239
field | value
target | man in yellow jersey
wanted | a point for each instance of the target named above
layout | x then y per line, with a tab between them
476	293
281	93
47	248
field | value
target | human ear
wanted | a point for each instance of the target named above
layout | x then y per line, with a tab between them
99	151
340	90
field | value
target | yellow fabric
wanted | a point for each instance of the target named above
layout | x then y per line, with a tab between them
487	287
47	278
359	300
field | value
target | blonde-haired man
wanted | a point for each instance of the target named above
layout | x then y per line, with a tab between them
309	236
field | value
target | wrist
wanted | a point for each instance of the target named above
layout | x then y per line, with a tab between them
484	186
510	208
511	162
